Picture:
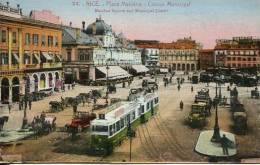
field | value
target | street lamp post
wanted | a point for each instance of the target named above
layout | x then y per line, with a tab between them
27	87
107	85
216	135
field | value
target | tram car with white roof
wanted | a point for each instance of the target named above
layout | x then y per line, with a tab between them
110	129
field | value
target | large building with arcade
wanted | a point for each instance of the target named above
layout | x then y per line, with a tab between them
30	54
182	55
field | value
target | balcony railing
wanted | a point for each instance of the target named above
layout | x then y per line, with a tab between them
52	65
14	67
32	66
4	67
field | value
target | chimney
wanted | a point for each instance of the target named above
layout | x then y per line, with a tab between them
83	25
70	24
7	4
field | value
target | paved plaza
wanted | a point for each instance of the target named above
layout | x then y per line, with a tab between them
170	139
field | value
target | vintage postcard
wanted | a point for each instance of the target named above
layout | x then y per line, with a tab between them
129	81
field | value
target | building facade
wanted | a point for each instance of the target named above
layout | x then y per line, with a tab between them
182	55
206	59
239	52
87	49
150	55
30	54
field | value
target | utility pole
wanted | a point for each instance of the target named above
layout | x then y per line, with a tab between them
130	134
27	88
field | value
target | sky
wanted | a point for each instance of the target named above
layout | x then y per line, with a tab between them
203	20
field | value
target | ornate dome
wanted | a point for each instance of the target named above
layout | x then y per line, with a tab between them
98	28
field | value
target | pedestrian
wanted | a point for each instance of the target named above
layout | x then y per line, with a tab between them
95	100
9	107
25	104
30	104
179	87
74	109
181	105
224	144
69	87
83	101
191	89
228	89
20	106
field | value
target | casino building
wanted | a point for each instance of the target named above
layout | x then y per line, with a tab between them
30	54
97	52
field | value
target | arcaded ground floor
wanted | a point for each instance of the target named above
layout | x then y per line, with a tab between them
11	86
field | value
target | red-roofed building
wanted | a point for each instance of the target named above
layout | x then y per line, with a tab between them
182	55
240	52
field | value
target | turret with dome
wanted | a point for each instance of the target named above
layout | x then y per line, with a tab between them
102	31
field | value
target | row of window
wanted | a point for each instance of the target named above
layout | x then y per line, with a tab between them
51	41
31	39
4	59
241	65
177	58
179	52
251	52
244	52
240	59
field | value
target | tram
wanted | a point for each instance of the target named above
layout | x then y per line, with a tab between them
110	129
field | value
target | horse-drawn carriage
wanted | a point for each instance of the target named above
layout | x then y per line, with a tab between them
56	106
70	101
43	124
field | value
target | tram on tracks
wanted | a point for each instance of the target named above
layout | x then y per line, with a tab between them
110	129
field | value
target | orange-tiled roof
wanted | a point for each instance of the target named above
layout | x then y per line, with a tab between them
178	45
236	46
147	46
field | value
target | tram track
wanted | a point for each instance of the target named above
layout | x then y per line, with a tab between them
168	138
177	146
146	149
150	145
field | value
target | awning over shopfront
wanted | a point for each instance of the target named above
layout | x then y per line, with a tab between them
36	55
58	57
46	55
114	72
140	68
16	57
